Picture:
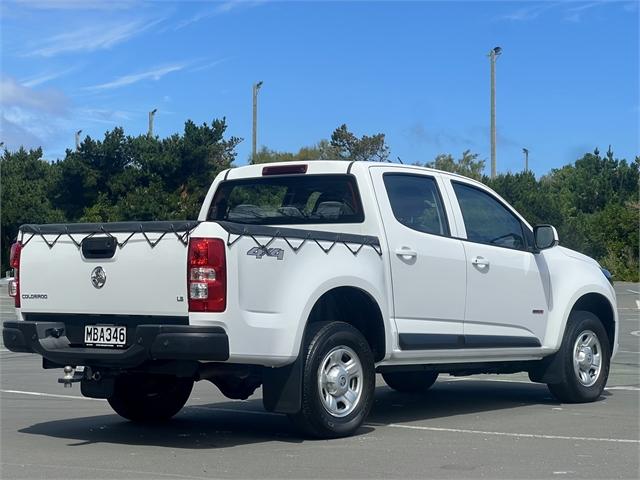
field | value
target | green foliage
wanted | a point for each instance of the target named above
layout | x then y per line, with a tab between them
320	151
344	145
593	203
468	165
117	178
366	148
27	187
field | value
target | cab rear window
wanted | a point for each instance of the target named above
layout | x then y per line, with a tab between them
288	199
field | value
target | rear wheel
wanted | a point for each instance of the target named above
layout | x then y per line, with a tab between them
149	398
338	381
410	382
584	360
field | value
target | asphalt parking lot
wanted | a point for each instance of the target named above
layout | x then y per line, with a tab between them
475	427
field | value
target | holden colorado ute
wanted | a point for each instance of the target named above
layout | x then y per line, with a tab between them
307	279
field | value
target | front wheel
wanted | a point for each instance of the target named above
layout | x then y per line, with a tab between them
149	398
338	381
584	360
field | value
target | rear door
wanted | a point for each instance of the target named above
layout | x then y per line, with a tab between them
507	284
427	265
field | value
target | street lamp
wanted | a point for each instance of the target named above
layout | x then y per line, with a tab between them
78	139
152	114
493	54
256	88
526	159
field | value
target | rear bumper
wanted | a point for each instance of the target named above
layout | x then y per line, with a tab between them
150	342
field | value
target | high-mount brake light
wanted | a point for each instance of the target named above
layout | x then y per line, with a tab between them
207	275
14	262
284	169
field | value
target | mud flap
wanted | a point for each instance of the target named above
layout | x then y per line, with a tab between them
548	370
282	388
102	388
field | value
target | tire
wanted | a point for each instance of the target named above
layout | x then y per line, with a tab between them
149	398
581	380
335	400
410	382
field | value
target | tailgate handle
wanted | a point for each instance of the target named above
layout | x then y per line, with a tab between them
99	247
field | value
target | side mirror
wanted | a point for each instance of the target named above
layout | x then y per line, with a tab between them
546	236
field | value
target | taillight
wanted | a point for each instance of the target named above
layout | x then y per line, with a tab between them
14	262
207	275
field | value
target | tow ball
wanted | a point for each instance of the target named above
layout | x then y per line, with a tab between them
77	374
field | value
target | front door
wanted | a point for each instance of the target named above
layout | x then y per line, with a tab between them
507	284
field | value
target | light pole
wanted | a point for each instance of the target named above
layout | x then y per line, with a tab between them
526	159
78	139
152	114
493	54
256	87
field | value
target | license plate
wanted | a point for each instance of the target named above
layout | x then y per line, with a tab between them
105	336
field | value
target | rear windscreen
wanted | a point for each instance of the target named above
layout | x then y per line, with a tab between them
288	199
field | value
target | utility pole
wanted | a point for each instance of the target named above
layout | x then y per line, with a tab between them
256	87
152	114
78	139
526	159
493	54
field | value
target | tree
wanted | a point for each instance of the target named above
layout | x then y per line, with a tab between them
27	187
320	151
468	165
366	148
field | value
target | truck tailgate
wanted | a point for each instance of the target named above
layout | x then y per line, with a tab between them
145	274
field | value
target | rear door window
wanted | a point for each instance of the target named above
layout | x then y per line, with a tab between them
416	203
288	199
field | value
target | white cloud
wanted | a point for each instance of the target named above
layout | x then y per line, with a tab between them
30	117
104	115
208	65
14	94
220	8
76	4
530	12
90	38
45	77
154	74
571	11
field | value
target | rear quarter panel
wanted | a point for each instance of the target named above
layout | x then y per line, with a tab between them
270	299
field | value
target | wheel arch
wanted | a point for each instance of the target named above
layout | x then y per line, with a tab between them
357	307
282	386
601	307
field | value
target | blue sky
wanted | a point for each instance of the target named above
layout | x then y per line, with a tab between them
567	80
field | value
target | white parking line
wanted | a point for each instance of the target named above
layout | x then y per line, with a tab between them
391	425
638	304
471	379
633	291
507	434
54	395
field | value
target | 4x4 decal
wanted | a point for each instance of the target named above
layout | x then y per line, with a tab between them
260	252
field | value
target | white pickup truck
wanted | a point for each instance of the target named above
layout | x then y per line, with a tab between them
308	279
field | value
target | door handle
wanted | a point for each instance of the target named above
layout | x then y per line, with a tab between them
480	262
406	252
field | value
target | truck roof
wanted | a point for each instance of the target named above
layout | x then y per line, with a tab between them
330	166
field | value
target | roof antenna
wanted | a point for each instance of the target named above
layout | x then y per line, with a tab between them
400	160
